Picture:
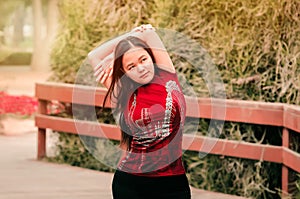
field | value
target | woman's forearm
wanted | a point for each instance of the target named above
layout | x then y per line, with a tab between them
105	49
98	57
152	39
149	36
159	51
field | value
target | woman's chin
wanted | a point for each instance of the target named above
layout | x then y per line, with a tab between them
145	80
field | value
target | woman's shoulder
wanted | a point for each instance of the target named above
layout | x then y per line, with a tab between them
167	72
170	70
164	76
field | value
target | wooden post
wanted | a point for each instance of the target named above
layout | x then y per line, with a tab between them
285	169
41	150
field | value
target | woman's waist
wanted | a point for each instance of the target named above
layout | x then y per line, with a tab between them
149	166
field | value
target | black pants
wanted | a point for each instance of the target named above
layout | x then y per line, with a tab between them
128	186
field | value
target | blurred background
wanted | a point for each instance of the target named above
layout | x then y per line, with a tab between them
27	29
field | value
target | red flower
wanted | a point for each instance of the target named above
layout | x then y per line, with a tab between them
24	105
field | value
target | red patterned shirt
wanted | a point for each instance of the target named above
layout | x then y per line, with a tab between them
155	116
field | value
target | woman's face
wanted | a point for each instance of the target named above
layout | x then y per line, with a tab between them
138	65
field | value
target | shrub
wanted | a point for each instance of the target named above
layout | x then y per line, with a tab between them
254	45
17	58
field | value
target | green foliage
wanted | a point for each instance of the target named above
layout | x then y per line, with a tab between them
73	151
7	7
231	175
254	45
16	58
298	186
4	53
85	24
294	187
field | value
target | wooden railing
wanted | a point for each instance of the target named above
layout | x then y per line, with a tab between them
251	112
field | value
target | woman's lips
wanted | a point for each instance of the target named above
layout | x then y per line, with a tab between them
144	75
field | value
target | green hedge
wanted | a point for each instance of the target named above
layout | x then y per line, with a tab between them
254	44
15	58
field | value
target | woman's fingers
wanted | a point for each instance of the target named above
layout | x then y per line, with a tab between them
105	76
111	72
102	66
103	69
98	66
102	76
97	72
143	27
99	76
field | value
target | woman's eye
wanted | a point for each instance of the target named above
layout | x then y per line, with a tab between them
130	67
144	59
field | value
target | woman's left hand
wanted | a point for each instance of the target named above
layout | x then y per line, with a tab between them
143	27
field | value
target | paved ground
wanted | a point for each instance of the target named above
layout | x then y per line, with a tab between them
23	177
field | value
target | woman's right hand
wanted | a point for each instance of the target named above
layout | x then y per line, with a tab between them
103	70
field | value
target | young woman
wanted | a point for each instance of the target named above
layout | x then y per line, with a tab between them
143	85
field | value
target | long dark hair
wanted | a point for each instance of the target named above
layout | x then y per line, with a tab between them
122	87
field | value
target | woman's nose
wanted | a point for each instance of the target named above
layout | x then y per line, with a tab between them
140	68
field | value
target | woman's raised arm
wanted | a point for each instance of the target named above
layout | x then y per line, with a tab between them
102	57
147	34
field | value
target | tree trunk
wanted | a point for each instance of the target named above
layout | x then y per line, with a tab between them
42	45
40	56
52	19
19	18
52	24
